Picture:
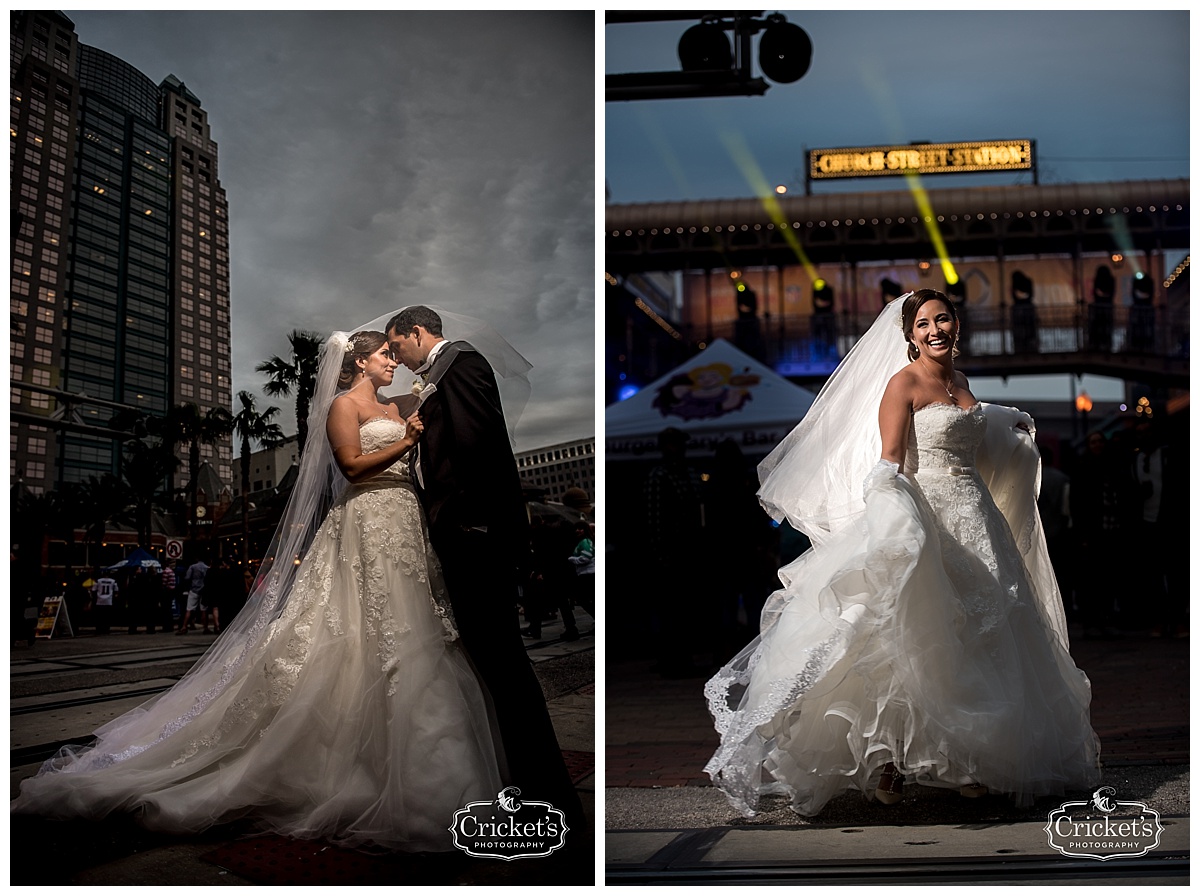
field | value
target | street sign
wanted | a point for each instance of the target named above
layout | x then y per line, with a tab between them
53	617
174	548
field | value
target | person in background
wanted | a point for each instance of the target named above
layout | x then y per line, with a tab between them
193	584
168	585
583	558
577	499
104	591
551	578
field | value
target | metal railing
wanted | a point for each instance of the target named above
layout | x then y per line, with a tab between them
1020	337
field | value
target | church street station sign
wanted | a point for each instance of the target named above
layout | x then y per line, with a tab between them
921	158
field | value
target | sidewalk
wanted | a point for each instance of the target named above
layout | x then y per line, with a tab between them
662	816
116	852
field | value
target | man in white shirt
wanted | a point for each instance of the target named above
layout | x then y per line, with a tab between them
104	590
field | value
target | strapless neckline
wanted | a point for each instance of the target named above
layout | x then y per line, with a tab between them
381	417
946	404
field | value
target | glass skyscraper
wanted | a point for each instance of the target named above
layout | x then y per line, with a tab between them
120	247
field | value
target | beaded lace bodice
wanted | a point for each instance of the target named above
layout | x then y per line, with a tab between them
379	432
944	436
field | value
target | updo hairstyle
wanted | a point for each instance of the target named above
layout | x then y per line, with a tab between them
362	344
908	316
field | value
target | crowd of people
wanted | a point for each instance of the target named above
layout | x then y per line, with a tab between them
149	599
195	597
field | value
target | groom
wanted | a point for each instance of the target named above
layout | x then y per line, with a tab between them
469	486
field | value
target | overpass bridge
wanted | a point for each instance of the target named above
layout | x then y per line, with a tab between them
856	240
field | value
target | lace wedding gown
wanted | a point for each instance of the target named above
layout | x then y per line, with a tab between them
915	635
355	718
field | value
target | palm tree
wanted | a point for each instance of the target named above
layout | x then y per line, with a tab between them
101	499
298	372
185	424
147	466
249	424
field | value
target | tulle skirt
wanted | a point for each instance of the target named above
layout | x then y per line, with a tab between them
872	652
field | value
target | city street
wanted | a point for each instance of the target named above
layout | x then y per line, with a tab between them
62	689
665	823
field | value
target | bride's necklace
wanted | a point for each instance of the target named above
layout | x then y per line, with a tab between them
945	385
385	410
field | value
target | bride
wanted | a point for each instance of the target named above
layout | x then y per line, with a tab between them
922	637
339	704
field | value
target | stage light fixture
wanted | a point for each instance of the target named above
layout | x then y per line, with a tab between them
784	51
705	47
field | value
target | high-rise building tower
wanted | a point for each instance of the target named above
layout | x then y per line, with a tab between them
120	246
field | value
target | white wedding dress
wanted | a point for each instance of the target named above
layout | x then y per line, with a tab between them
355	718
923	633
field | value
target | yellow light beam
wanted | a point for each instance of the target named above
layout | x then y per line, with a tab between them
765	193
925	207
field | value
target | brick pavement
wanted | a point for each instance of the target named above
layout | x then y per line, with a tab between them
659	733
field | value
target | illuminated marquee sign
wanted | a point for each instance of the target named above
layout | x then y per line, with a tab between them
921	158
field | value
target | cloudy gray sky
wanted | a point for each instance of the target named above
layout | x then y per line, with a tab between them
1104	95
377	159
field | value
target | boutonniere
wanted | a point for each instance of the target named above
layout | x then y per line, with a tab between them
420	384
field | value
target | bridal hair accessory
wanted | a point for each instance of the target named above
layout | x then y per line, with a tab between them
341	341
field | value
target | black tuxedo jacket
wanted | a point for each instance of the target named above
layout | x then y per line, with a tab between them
468	474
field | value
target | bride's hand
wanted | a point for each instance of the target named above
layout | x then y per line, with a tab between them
414	426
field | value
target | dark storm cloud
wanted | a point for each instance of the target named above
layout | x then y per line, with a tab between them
373	160
1110	87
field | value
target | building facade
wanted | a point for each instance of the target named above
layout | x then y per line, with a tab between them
268	466
560	467
120	247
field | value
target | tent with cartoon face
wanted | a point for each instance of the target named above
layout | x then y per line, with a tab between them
720	393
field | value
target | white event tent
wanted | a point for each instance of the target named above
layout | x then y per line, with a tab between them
719	393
